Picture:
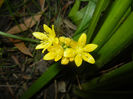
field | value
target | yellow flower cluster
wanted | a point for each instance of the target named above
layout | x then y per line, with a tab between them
64	48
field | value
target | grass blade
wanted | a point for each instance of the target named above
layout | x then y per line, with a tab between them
111	21
42	81
80	15
106	81
87	17
95	18
127	13
19	38
104	94
121	39
74	9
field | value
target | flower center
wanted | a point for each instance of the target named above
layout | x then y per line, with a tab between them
79	49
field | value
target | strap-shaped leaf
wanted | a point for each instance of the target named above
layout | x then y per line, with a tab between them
99	87
42	81
99	7
120	40
118	10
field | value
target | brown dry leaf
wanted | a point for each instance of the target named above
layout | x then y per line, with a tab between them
28	23
1	3
42	2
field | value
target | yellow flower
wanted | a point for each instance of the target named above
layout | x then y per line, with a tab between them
55	52
65	43
47	38
80	51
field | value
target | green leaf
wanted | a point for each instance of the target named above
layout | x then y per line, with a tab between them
103	85
120	40
95	17
42	81
107	81
80	15
127	13
104	94
17	37
118	10
87	17
74	9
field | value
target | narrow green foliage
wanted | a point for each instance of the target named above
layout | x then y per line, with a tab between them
127	13
74	9
118	10
95	18
104	94
42	81
86	18
111	79
17	37
80	15
120	40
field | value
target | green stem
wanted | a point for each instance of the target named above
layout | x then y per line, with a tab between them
17	37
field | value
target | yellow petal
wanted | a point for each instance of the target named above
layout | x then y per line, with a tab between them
82	40
71	59
47	45
53	31
40	46
47	29
51	49
69	52
49	56
62	39
56	40
64	61
73	44
90	47
40	35
78	60
88	58
58	57
67	41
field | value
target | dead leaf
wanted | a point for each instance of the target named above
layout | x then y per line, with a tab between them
1	3
42	2
21	46
69	24
28	23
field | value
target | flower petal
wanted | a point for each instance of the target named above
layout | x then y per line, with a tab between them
51	49
65	40
64	61
58	57
78	60
49	56
47	29
62	39
69	52
71	59
40	46
40	35
53	31
73	44
90	47
82	40
56	40
47	45
88	58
